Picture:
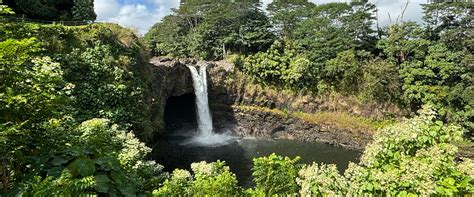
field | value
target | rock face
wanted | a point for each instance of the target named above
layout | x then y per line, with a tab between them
269	125
170	77
231	87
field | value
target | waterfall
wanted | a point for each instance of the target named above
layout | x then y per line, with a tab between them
205	135
204	119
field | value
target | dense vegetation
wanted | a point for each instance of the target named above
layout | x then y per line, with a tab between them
70	98
55	10
334	47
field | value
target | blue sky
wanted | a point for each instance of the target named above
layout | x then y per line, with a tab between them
142	14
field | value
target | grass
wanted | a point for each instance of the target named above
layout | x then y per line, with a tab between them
341	120
344	120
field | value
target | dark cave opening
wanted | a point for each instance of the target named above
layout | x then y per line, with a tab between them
180	112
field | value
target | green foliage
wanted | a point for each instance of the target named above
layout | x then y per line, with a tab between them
315	180
276	174
5	10
431	80
47	71
321	39
149	175
285	15
343	72
177	185
450	23
280	65
415	157
412	157
83	10
210	179
380	81
404	42
334	27
91	160
55	10
31	86
202	31
213	179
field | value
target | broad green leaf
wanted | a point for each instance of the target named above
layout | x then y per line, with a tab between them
58	161
102	183
85	167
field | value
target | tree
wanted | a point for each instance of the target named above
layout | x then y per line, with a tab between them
404	42
83	10
322	36
280	65
4	9
286	14
209	30
168	37
450	22
54	10
360	23
343	72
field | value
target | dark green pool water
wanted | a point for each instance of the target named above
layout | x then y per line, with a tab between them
173	152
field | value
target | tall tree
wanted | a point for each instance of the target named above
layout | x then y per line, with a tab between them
404	42
209	29
54	10
285	14
451	22
83	10
360	24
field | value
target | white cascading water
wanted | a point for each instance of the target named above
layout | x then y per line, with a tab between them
205	135
204	119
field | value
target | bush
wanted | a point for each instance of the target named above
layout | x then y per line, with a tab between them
213	179
380	81
210	179
343	72
280	65
315	180
276	174
412	157
92	161
178	185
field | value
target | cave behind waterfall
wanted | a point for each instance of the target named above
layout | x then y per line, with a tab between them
180	112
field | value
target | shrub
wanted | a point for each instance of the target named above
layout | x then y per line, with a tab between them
92	158
280	65
323	179
276	174
213	179
210	179
177	185
412	157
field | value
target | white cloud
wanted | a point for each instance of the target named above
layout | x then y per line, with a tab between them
385	7
414	12
148	12
106	9
134	15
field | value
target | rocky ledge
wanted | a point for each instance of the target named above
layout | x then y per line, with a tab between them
257	123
